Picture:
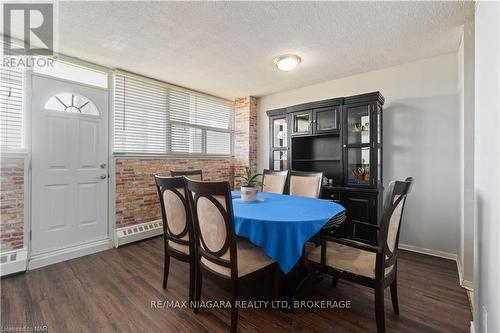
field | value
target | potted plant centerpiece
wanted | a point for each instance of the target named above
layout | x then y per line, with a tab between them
250	185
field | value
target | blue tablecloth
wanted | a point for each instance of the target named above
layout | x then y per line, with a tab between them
282	224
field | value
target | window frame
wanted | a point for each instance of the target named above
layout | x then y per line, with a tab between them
26	106
169	153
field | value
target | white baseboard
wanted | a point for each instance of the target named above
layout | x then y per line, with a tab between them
13	261
430	252
138	232
45	259
469	285
463	283
466	284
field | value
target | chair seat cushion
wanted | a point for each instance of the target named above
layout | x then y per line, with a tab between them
250	259
348	259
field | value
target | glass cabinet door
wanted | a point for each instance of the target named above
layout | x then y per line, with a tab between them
280	160
301	123
358	125
358	166
326	120
279	133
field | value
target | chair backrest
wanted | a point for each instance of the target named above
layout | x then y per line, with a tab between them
191	174
306	184
274	181
175	212
212	209
392	215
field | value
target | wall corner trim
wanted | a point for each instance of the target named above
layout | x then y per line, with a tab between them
13	261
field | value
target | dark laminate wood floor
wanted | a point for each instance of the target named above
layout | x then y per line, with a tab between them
112	291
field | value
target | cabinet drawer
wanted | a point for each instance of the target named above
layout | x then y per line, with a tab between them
332	195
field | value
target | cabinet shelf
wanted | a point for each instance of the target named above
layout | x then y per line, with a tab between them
316	159
342	138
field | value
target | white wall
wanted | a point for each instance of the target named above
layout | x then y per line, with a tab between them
421	139
487	166
466	105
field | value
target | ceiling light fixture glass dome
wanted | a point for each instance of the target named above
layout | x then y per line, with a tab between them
287	62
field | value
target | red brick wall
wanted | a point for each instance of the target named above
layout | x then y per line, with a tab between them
245	135
136	196
11	204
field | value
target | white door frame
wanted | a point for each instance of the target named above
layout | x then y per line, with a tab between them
64	254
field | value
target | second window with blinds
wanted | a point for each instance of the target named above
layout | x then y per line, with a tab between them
157	118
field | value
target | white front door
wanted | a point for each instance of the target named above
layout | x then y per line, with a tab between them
69	165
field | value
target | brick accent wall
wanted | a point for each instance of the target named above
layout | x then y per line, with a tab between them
245	135
11	204
136	196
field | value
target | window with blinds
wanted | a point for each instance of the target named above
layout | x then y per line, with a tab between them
11	108
157	118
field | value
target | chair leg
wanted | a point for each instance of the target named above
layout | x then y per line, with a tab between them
379	308
394	295
234	309
277	283
166	267
334	281
198	283
192	280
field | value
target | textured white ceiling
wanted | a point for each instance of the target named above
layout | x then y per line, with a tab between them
227	48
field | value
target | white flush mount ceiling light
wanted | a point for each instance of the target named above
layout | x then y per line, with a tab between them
287	62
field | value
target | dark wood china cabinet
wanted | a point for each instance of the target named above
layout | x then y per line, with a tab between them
343	138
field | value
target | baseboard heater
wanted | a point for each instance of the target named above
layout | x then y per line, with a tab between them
13	261
138	232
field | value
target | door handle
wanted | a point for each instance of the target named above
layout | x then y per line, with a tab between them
103	176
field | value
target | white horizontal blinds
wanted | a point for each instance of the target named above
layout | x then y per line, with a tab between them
186	139
11	108
157	118
199	123
140	118
218	143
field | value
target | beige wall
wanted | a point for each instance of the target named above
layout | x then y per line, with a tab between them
421	139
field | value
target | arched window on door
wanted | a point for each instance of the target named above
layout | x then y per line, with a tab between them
72	103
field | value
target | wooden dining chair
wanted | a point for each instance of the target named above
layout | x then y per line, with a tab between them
192	174
178	231
274	181
305	184
372	266
220	253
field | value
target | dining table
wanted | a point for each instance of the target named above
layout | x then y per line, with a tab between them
282	224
